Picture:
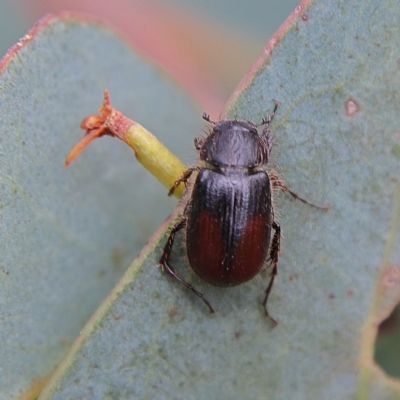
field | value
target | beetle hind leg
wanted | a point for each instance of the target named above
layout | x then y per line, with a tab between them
165	265
273	259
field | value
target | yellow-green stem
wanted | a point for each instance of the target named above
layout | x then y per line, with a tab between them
155	157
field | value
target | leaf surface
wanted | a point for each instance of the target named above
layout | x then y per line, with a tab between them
67	235
334	68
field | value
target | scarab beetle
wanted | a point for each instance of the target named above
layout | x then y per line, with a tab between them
229	216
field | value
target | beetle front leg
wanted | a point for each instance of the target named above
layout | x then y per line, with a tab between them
164	262
277	182
273	259
183	178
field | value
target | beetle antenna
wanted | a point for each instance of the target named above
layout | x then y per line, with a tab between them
206	117
266	120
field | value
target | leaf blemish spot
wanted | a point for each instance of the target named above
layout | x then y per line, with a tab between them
351	107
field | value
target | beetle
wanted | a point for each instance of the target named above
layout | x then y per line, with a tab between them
229	215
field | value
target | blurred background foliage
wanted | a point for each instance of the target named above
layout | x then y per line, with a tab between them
207	46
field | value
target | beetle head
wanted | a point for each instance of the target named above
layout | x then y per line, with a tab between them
233	143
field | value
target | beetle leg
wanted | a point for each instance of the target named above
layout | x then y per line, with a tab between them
206	117
164	262
277	182
273	258
183	178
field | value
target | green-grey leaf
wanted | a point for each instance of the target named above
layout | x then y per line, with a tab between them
335	71
67	235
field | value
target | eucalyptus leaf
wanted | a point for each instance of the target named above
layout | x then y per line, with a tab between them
68	235
334	68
